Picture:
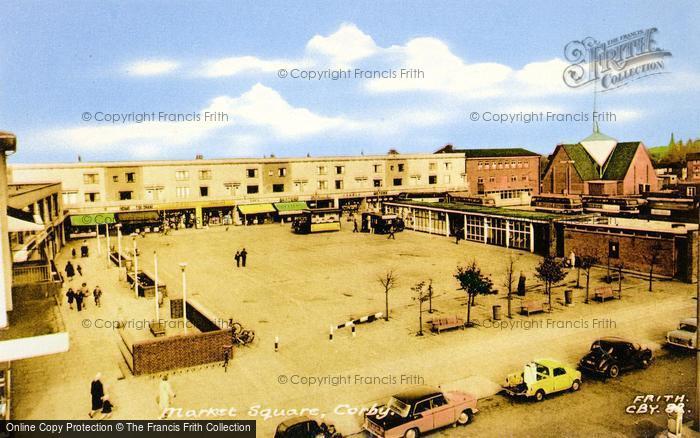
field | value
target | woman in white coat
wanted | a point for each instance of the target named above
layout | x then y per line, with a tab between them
165	396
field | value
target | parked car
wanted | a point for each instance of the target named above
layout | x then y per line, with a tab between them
420	410
684	335
542	377
305	427
610	355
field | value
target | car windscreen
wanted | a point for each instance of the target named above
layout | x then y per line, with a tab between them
687	328
398	407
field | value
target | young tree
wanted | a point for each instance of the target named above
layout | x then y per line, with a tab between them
430	295
473	283
652	258
550	272
388	282
508	281
421	294
587	262
619	267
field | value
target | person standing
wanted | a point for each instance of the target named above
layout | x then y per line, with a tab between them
238	259
71	296
354	225
107	407
70	271
79	299
73	252
165	396
244	255
80	270
96	393
391	232
97	294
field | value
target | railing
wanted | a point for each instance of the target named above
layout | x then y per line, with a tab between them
31	274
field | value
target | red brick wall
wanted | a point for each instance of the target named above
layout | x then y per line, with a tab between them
554	181
502	176
172	352
634	250
640	172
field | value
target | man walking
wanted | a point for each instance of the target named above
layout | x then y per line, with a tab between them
244	255
238	259
165	396
97	294
96	394
354	225
391	232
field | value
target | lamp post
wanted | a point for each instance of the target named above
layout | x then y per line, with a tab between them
119	245
155	268
109	248
97	235
183	265
136	269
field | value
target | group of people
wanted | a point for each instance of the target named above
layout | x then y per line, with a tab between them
81	294
71	270
241	257
100	402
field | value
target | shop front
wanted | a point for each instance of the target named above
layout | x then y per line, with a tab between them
255	214
287	211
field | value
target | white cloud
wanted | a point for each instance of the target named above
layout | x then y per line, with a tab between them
247	64
151	67
343	47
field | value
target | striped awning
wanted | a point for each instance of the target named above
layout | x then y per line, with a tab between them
256	208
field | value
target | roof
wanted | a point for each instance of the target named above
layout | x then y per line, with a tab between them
485	210
582	161
552	363
417	393
620	160
614	340
490	152
286	424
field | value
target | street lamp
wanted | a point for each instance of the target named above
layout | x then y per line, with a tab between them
155	268
183	265
119	245
109	248
97	235
136	268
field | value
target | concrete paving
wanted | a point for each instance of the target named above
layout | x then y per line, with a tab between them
295	287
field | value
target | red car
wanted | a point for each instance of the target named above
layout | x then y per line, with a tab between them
420	410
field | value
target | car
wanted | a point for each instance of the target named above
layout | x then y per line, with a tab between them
419	410
542	377
684	335
305	427
608	356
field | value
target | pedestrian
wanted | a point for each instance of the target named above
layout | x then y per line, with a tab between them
391	232
107	407
457	235
244	255
73	253
238	259
97	294
70	271
96	393
71	296
165	396
80	296
354	225
80	270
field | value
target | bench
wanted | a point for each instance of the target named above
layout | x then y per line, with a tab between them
446	323
603	293
528	307
157	328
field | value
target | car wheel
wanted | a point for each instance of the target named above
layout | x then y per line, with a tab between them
613	371
576	385
465	417
539	395
411	433
646	362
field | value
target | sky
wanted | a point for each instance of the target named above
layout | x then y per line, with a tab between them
170	80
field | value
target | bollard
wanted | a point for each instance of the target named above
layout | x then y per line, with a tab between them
330	334
277	343
353	330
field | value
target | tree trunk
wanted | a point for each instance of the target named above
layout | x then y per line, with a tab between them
619	284
420	317
469	309
588	280
386	306
651	274
510	300
549	288
578	277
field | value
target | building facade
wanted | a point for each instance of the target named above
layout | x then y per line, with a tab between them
509	176
693	166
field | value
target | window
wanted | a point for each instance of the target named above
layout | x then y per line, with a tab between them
432	166
690	191
322	185
115	178
526	164
507	165
377	183
559	372
203	191
448	166
480	180
524	177
432	179
91	178
391	167
339	170
339	184
513	178
377	168
182	175
125	195
130	176
400	167
153	194
300	185
397	181
278	188
231	188
70	197
322	170
252	189
252	173
92	197
205	174
447	179
480	165
492	179
182	192
421	407
282	171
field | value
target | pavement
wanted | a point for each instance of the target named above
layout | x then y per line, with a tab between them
295	287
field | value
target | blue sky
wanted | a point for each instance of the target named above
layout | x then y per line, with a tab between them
60	60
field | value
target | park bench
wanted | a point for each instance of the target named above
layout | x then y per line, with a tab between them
528	307
157	328
446	323
603	293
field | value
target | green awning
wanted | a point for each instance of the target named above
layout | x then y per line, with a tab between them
291	207
90	220
256	208
138	216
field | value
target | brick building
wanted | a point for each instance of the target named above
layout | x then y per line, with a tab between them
600	165
510	176
693	166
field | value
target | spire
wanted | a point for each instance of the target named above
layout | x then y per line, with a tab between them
672	141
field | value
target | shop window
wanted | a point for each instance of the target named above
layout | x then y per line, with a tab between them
278	188
125	195
252	189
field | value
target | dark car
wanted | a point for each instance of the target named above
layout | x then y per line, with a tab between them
609	356
305	427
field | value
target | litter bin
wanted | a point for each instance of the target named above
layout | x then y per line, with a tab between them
568	297
497	312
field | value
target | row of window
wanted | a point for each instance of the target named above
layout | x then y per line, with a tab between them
500	164
492	179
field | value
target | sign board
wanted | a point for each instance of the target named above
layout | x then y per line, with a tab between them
614	250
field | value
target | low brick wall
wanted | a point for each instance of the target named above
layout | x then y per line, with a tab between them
181	351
